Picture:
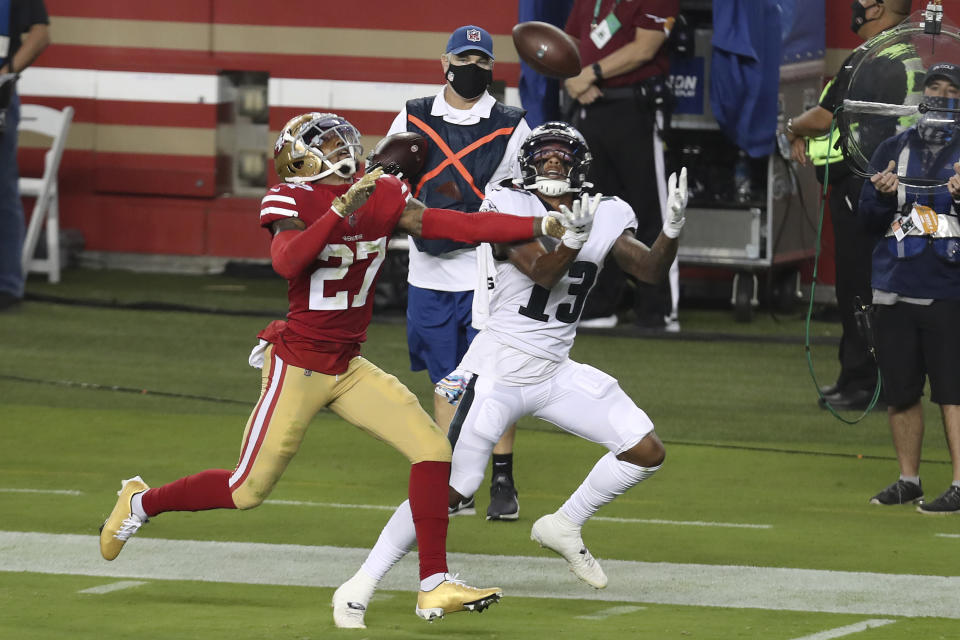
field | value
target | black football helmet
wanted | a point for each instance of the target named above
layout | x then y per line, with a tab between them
546	140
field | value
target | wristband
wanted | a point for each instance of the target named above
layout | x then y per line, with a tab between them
597	71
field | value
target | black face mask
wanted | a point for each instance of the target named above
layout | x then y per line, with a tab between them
469	80
859	17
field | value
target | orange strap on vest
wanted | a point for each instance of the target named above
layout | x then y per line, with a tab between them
453	158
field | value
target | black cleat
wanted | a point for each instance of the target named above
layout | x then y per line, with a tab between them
503	499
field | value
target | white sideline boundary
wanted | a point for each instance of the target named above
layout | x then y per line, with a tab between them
540	577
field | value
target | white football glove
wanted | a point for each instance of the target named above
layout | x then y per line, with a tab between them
676	204
357	194
578	220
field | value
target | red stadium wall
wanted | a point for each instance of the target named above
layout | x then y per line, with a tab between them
142	172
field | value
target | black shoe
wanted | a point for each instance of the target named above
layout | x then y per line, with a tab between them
503	499
900	492
830	390
948	502
465	508
8	301
851	400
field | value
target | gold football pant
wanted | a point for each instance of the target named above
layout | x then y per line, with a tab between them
290	397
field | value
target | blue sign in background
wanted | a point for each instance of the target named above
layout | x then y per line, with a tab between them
687	81
804	36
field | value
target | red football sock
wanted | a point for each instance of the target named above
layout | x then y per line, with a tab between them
199	492
428	502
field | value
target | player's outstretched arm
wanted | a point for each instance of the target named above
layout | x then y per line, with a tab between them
484	226
544	267
534	261
652	264
293	252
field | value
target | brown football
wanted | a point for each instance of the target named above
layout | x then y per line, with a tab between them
404	152
547	49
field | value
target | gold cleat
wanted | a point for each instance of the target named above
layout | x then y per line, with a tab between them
454	595
122	523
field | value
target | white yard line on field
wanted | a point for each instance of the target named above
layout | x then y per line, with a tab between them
329	505
683	523
603	614
541	577
62	492
113	586
850	629
687	523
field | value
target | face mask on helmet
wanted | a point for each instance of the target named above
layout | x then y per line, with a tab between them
316	145
939	123
554	160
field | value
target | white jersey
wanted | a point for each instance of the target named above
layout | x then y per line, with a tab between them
531	329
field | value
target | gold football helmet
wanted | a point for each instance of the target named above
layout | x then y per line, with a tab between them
312	145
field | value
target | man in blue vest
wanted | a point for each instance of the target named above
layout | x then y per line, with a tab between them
16	54
472	141
916	281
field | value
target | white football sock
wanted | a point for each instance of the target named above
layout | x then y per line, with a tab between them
432	582
396	539
136	506
912	479
608	479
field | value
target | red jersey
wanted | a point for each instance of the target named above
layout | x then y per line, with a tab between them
632	15
331	301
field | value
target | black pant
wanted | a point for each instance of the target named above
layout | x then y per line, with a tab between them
621	139
853	253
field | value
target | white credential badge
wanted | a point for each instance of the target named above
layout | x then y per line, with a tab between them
601	33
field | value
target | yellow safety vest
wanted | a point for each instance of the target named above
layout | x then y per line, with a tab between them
823	149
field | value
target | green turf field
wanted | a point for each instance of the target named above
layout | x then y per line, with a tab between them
758	525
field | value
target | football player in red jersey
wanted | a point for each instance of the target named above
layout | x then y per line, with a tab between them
330	235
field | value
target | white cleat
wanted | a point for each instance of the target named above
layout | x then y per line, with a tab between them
555	532
350	601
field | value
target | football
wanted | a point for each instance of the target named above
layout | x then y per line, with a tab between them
402	153
547	49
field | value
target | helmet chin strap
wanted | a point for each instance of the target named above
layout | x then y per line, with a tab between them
344	168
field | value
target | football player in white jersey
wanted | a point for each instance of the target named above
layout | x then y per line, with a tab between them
519	364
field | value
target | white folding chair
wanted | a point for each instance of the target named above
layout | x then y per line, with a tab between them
53	124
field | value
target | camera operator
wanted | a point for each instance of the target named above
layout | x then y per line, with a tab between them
916	282
24	34
854	387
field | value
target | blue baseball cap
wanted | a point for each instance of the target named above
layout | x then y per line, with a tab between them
470	38
946	70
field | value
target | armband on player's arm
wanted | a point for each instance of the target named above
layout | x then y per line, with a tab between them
291	253
481	227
